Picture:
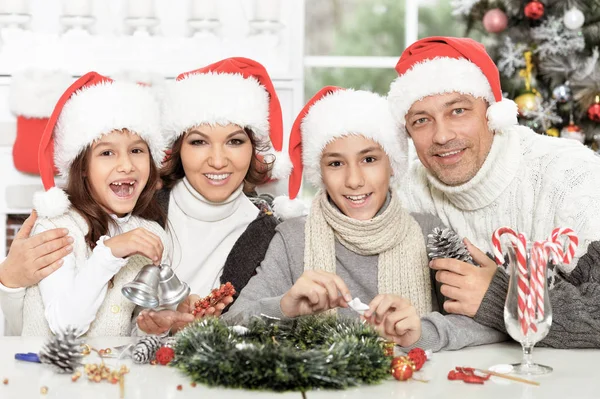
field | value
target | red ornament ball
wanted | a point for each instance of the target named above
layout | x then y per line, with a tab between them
594	112
402	372
399	361
495	20
418	357
534	10
164	355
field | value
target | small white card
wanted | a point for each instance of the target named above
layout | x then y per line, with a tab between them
358	306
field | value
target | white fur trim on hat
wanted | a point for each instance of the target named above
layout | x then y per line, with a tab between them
216	99
97	110
35	92
502	114
282	166
51	203
444	75
347	112
285	208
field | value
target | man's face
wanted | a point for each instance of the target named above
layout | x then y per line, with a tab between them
451	135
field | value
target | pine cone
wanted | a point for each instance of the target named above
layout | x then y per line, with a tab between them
145	349
447	244
63	351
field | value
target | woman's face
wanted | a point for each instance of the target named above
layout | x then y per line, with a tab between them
216	159
356	174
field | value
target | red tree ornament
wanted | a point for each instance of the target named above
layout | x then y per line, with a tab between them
594	111
495	20
534	10
418	357
402	372
164	355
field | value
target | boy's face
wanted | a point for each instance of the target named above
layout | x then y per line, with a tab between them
356	174
451	135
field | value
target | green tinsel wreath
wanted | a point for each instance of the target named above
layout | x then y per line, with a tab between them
307	353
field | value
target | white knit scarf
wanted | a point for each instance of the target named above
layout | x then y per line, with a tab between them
393	235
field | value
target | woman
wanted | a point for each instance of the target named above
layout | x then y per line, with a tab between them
219	120
358	241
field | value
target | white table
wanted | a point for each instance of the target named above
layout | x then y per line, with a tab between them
576	375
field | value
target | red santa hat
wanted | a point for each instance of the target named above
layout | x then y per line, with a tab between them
91	107
235	91
437	65
333	113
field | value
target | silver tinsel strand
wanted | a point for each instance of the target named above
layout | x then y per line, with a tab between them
145	349
447	244
63	351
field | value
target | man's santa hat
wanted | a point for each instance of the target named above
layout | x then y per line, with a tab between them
438	65
333	113
235	91
90	108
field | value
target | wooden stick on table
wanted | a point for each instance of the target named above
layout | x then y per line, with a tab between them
508	377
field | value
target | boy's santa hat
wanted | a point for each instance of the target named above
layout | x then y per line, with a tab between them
235	91
333	113
91	107
438	65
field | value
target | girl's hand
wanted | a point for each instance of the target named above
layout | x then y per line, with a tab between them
136	242
395	319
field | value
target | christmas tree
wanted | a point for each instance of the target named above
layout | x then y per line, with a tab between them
547	54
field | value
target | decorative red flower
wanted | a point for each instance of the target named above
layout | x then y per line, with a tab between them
164	355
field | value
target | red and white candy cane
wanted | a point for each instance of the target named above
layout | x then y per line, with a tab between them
522	283
570	245
499	257
539	259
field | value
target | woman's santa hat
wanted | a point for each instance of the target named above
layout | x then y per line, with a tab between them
90	108
333	113
438	65
235	91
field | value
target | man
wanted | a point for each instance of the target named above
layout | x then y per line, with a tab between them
478	171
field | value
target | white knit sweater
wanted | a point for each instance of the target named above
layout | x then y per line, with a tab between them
111	313
529	182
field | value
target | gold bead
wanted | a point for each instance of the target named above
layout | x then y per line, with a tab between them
526	102
108	351
74	377
115	308
44	390
97	378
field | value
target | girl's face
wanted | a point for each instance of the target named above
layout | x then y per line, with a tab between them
356	173
216	159
118	170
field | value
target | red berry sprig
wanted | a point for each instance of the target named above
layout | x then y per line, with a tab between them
215	296
467	375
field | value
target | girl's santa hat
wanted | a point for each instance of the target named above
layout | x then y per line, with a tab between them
235	91
91	107
333	113
438	65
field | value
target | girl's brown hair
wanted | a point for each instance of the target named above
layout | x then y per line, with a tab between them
258	172
96	217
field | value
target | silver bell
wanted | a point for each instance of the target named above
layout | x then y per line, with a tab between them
156	286
171	290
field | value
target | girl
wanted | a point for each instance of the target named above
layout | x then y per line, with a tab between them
224	125
357	241
108	146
